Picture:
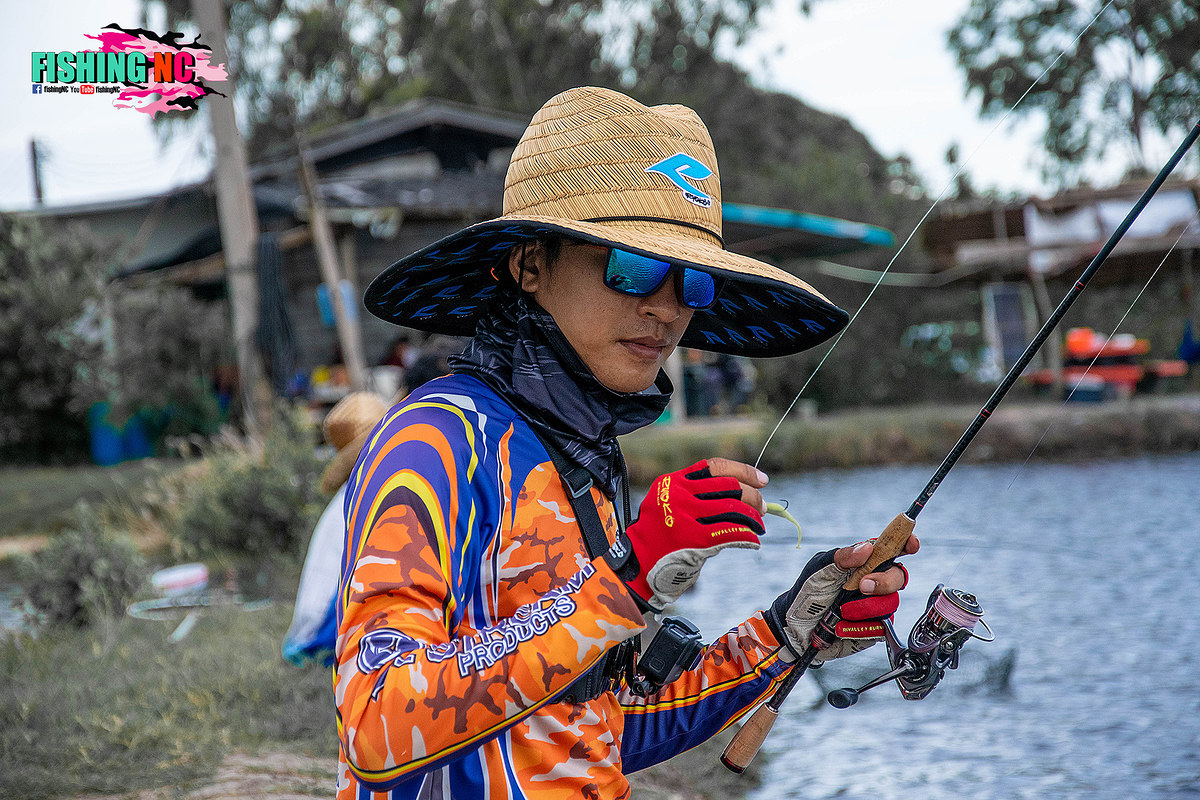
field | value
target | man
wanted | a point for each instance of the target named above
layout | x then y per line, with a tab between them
494	585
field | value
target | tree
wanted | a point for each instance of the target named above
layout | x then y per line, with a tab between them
314	65
332	62
1136	70
167	347
69	340
46	355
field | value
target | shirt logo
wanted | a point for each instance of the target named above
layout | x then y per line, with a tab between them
677	169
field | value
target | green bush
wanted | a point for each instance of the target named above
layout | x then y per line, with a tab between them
168	345
49	345
255	507
83	575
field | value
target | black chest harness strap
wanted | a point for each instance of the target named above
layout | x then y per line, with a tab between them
612	668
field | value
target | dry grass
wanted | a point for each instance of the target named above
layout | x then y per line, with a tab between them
118	709
117	712
39	500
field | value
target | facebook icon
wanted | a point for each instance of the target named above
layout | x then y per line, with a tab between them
37	88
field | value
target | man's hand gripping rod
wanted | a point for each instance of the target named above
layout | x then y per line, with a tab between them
749	738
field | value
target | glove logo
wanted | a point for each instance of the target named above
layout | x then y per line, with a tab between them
723	531
664	501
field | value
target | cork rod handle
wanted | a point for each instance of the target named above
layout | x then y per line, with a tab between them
746	742
889	545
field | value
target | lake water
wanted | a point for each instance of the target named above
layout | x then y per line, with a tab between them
1085	571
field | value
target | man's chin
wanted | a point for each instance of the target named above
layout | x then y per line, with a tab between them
630	381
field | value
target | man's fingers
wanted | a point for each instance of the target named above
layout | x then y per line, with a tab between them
753	498
735	469
853	556
891	580
749	479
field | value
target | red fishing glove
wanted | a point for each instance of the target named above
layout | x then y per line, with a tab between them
688	517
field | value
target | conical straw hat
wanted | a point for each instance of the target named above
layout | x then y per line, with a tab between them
600	167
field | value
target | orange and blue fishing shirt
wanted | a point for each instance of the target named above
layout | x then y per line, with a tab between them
468	603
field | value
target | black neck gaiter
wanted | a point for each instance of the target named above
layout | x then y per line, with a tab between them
519	351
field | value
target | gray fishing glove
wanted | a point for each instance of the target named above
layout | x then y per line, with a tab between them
795	613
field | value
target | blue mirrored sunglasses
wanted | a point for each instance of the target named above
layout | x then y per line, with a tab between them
640	276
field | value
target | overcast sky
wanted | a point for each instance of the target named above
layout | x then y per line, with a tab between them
882	64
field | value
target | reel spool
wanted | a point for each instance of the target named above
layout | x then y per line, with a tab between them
948	623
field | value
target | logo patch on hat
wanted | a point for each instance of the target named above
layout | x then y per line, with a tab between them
677	169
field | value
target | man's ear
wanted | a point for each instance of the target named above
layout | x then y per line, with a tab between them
527	265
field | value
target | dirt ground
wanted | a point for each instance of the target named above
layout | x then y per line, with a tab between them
696	775
269	776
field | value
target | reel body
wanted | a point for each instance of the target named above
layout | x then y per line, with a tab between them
933	644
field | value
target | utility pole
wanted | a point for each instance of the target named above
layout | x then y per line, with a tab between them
348	331
35	163
237	216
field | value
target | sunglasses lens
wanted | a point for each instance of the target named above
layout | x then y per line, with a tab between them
699	289
637	275
632	274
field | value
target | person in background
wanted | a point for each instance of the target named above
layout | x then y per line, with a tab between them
310	637
697	388
495	585
433	362
400	353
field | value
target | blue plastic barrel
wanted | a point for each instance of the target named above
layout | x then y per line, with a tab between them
103	437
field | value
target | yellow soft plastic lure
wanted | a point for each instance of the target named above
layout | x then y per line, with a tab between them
780	510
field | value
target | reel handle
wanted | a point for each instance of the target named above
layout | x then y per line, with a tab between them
889	545
842	698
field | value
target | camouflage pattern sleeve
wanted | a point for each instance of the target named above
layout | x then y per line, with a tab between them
429	665
735	673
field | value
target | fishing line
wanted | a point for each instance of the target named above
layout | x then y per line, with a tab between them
1095	358
921	671
1058	411
921	222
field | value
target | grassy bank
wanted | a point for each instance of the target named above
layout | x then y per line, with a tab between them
119	711
925	434
39	499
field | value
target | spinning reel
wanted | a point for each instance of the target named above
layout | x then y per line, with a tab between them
948	622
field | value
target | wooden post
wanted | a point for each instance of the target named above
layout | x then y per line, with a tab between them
35	164
1189	289
237	217
678	404
1054	350
348	331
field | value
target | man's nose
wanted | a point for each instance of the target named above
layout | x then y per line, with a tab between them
665	303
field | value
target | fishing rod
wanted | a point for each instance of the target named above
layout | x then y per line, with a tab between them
951	614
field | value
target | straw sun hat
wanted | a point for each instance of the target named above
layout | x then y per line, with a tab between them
346	427
600	167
